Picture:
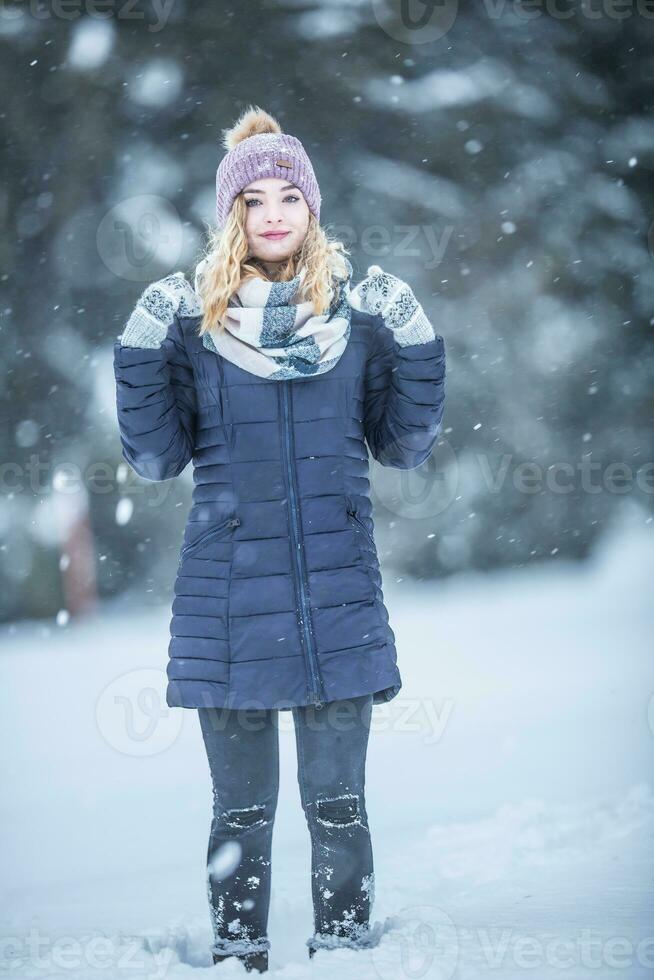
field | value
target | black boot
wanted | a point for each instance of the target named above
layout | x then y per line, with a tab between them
251	961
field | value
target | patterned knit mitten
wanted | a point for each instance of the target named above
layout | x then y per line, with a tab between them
155	309
383	293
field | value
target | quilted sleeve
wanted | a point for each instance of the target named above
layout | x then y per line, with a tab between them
404	397
156	405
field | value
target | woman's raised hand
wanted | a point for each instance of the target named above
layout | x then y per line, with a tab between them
394	300
154	311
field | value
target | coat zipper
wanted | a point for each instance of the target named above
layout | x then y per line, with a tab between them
316	693
230	522
363	527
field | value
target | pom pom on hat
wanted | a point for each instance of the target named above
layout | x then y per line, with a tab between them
251	123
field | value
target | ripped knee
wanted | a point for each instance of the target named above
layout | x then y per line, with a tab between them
241	819
339	811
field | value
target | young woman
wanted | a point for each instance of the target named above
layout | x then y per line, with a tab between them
272	374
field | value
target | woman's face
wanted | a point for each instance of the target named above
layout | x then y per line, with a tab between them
274	206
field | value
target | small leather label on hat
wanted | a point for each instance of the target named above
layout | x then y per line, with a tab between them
283	163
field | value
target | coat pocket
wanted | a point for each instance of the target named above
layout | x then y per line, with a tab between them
207	536
358	523
369	559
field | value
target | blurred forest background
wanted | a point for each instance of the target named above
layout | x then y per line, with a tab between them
497	156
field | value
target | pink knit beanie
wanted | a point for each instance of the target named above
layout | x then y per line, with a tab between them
257	147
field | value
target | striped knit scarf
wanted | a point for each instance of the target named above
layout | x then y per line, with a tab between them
269	335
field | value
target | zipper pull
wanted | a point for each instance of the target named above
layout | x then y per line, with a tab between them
234	521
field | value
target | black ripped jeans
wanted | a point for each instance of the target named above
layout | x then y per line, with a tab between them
243	752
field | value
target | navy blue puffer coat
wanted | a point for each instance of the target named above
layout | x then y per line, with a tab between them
277	598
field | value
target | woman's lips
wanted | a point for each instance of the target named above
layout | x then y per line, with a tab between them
276	235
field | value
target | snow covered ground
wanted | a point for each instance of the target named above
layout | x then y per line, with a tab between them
510	791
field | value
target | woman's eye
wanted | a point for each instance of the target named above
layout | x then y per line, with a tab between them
255	200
